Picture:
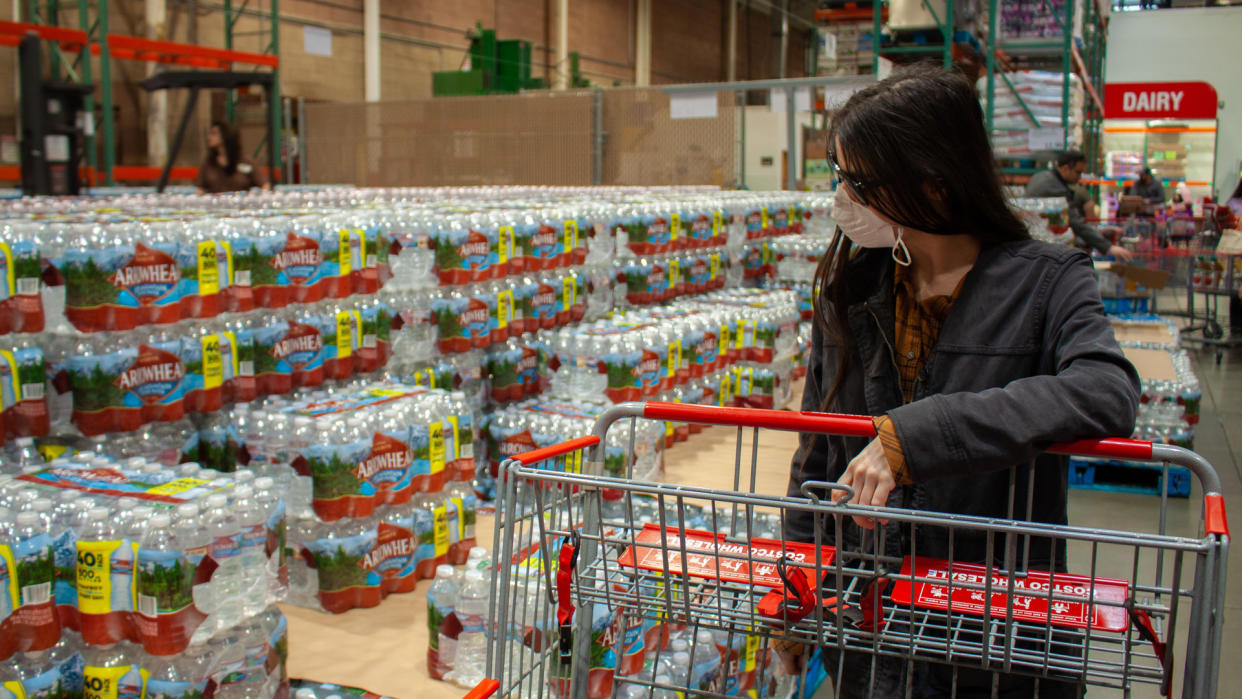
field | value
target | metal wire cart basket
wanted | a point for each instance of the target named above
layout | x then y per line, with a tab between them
596	574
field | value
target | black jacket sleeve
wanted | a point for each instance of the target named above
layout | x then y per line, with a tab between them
1092	392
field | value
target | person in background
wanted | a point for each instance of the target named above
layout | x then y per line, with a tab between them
972	346
225	169
1182	198
1229	216
1149	188
1059	182
1082	199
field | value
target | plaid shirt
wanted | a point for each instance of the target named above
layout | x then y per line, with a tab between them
917	329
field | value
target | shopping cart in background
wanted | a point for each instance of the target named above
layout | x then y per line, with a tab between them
598	576
1186	247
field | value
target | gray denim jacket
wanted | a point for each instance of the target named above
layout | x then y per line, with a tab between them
1026	358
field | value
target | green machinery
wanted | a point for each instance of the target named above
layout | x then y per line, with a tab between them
496	67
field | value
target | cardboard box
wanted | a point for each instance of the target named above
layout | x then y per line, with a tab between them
1152	364
1145	333
1136	276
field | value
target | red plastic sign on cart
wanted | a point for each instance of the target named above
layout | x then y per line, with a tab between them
712	556
1030	601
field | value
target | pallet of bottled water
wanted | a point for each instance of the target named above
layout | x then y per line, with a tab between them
383	490
132	574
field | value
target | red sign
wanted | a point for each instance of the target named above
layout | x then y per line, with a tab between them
1190	100
1031	601
713	557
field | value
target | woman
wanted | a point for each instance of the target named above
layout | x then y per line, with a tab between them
974	346
225	169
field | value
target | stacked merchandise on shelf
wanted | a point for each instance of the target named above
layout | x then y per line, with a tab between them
844	48
132	577
1120	165
795	263
1035	19
1123	165
1166	155
728	348
1035	101
1169	407
179	328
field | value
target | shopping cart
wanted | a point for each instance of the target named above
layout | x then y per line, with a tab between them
598	576
1186	248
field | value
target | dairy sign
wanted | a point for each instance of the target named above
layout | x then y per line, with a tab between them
1183	100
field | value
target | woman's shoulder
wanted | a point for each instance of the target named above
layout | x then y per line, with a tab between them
1039	252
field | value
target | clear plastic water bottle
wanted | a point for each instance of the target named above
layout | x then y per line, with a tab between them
252	556
137	523
173	677
302	490
229	663
224	535
158	554
255	646
116	664
43	507
272	507
706	661
472	612
36	673
443	626
27	453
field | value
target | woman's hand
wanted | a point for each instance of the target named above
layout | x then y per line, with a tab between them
871	478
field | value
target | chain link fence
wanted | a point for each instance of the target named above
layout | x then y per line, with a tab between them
604	136
613	136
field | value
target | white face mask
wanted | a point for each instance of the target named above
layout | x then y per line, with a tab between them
865	228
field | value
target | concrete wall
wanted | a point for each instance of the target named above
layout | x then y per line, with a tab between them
1186	44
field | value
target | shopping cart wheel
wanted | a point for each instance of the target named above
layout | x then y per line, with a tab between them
1212	329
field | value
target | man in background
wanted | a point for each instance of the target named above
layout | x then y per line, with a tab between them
1058	182
1149	188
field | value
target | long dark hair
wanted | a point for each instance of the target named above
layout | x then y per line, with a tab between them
230	143
918	139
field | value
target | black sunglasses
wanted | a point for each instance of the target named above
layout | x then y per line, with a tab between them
860	188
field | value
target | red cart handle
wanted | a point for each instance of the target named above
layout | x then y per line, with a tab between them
858	426
826	423
483	690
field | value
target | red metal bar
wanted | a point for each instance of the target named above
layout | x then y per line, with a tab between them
73	39
133	173
827	423
858	426
483	690
142	49
532	457
125	173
